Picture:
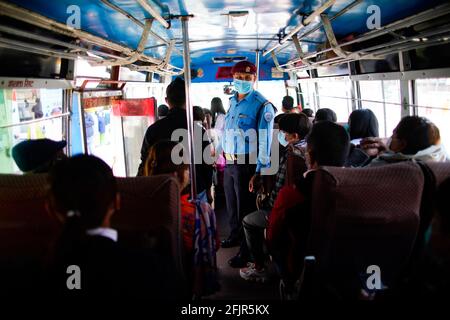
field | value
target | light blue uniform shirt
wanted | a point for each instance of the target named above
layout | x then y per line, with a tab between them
244	133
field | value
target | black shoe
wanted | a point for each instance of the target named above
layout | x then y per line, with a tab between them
229	243
238	261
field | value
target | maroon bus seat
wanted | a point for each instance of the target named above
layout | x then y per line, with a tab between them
150	214
296	167
441	171
149	217
440	238
363	217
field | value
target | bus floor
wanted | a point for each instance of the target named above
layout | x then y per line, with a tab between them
233	287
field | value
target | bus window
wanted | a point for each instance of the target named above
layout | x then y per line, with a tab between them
309	94
334	94
104	137
383	98
27	114
212	89
274	91
433	100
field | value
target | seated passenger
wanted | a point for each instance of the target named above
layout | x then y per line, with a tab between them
414	139
293	129
308	112
289	221
361	124
163	110
38	156
83	195
198	221
325	114
287	107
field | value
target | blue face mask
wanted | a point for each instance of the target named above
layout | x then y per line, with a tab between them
242	86
282	139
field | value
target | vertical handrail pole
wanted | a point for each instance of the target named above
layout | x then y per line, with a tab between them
257	69
189	111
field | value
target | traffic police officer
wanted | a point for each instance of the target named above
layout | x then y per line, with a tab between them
246	145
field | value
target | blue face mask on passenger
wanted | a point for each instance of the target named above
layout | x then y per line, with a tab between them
282	139
242	86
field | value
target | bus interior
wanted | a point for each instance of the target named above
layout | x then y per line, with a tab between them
93	73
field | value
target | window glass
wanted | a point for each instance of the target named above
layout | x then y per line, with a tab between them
383	98
24	115
104	137
433	100
309	94
334	94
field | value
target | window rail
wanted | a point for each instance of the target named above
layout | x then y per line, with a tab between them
24	123
377	101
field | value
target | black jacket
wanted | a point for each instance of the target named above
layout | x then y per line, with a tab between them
162	130
110	270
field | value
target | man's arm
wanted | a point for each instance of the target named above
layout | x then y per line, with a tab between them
265	131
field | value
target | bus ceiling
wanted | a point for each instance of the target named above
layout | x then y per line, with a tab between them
341	37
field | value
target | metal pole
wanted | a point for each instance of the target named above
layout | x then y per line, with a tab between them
257	69
189	112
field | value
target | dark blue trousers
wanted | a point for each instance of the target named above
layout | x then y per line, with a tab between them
240	201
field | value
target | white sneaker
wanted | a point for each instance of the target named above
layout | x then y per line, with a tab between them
252	274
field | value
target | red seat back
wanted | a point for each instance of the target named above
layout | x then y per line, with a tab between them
149	216
363	217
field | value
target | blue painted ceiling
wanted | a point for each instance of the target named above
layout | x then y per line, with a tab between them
209	30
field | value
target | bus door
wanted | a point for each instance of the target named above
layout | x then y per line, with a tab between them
102	131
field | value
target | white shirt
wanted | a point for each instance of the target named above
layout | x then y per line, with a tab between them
103	232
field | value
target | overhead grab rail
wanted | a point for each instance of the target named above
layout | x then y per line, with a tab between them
138	22
155	14
304	23
302	37
41	21
129	56
137	54
377	51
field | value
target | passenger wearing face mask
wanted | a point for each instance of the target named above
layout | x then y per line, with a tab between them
293	129
246	144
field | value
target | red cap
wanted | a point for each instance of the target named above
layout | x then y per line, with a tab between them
244	67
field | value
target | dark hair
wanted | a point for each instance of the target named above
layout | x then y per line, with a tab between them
328	143
176	94
206	111
362	124
83	188
417	132
309	112
163	110
198	113
325	114
159	160
295	123
216	108
288	102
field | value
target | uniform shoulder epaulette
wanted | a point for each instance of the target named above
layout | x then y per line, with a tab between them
259	97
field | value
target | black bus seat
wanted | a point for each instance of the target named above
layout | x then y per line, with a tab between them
363	217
